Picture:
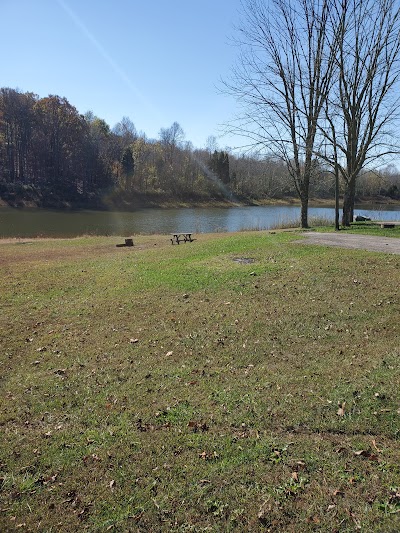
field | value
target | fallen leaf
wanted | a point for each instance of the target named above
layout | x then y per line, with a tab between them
340	411
375	446
300	465
394	497
197	426
368	455
51	479
337	492
264	514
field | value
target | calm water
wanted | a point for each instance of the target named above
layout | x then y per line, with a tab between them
48	223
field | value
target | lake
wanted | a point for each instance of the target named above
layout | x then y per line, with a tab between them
23	223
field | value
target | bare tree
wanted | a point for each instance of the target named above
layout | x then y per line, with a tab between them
211	144
17	122
282	81
171	138
363	103
125	129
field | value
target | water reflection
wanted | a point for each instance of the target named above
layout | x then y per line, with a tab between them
51	223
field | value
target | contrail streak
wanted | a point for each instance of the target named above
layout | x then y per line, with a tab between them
105	55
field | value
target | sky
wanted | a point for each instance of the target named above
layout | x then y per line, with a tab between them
154	61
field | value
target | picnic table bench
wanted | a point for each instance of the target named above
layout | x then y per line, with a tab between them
183	236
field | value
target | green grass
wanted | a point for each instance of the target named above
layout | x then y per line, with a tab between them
166	388
362	228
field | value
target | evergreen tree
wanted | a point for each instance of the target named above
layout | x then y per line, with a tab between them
128	166
219	164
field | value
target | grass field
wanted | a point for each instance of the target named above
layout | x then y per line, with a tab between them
242	382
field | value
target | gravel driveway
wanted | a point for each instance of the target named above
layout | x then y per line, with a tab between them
389	245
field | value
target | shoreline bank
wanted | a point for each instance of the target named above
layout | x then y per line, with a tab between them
218	203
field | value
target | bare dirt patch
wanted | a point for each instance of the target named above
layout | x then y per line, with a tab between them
17	251
244	260
389	245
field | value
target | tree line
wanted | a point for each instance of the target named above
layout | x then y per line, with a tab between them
51	153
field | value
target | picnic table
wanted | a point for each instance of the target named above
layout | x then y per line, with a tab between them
183	236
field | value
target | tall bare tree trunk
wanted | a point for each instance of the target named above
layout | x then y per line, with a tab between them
304	213
348	203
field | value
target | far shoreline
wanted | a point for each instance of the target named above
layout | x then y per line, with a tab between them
142	203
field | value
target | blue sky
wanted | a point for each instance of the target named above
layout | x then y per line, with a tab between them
155	61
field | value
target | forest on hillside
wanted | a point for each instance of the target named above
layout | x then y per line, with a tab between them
52	156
